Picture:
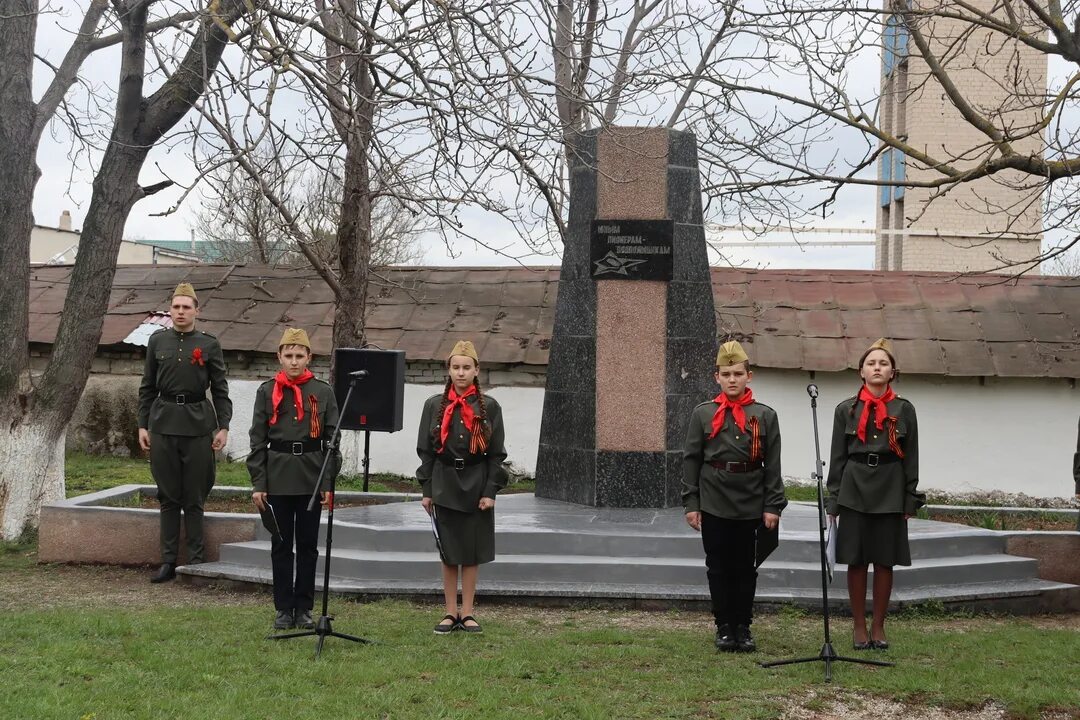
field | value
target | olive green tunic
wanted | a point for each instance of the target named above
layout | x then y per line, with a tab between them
887	488
467	535
283	473
872	501
181	452
184	363
730	495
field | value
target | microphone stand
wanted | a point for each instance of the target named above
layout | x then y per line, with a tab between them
827	654
323	628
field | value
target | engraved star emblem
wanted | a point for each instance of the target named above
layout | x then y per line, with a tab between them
612	264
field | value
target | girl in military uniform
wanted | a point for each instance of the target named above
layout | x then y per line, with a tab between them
293	421
461	451
873	476
731	487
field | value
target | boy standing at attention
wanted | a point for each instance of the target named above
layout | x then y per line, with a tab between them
731	487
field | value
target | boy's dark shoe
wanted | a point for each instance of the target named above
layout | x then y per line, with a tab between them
743	639
166	572
725	639
284	620
304	621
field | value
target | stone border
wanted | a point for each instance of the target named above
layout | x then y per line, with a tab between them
83	529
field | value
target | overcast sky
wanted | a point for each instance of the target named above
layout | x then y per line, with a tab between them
66	180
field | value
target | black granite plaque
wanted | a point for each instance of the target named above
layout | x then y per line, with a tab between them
631	249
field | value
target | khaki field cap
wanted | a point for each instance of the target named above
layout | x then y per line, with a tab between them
185	290
881	344
731	353
295	336
464	347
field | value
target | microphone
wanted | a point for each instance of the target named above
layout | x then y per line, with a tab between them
811	390
358	374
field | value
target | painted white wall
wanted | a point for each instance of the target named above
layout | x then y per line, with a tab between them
1011	434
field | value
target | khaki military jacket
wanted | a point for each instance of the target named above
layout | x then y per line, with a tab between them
283	473
183	363
460	489
732	495
887	488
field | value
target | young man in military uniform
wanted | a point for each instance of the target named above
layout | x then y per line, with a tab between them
179	427
731	487
293	421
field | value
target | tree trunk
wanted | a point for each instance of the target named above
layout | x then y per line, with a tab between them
31	473
354	246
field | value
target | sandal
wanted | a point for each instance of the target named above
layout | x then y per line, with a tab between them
476	629
444	628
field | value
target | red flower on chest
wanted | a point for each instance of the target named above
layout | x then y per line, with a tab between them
197	357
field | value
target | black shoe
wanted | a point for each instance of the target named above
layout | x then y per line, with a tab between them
445	628
474	628
284	620
744	639
725	640
166	572
304	621
879	644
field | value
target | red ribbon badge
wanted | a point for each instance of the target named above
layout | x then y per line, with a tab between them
196	357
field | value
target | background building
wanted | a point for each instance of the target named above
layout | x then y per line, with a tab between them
974	224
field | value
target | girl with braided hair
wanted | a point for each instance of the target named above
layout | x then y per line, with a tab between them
873	480
460	444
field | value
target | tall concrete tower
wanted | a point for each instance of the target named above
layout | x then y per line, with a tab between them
971	226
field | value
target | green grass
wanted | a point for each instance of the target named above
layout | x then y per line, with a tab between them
212	662
91	473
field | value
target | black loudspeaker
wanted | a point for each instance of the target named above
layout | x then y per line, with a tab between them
379	397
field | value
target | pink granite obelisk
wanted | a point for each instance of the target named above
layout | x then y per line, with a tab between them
634	338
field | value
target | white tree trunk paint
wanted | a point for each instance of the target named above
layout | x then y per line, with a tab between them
31	475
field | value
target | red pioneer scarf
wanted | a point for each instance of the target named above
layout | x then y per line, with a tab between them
737	412
196	357
880	411
282	381
468	416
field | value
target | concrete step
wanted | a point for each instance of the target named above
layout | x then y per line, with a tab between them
686	570
794	546
989	593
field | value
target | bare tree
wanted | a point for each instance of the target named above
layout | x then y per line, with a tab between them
35	410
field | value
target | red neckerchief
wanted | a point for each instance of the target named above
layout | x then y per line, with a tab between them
282	381
737	412
196	357
467	413
880	411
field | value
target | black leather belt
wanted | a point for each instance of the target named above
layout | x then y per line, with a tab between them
298	447
737	467
461	463
874	459
183	398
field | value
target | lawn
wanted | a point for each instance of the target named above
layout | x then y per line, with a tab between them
102	644
90	473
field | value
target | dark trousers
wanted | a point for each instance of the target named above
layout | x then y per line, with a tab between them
295	521
729	557
183	470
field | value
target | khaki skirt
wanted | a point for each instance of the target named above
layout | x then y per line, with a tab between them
878	538
467	538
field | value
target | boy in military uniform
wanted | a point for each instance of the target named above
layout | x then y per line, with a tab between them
179	427
461	451
293	421
731	487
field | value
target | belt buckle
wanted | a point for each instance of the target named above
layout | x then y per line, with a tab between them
872	459
181	399
459	464
298	448
729	466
